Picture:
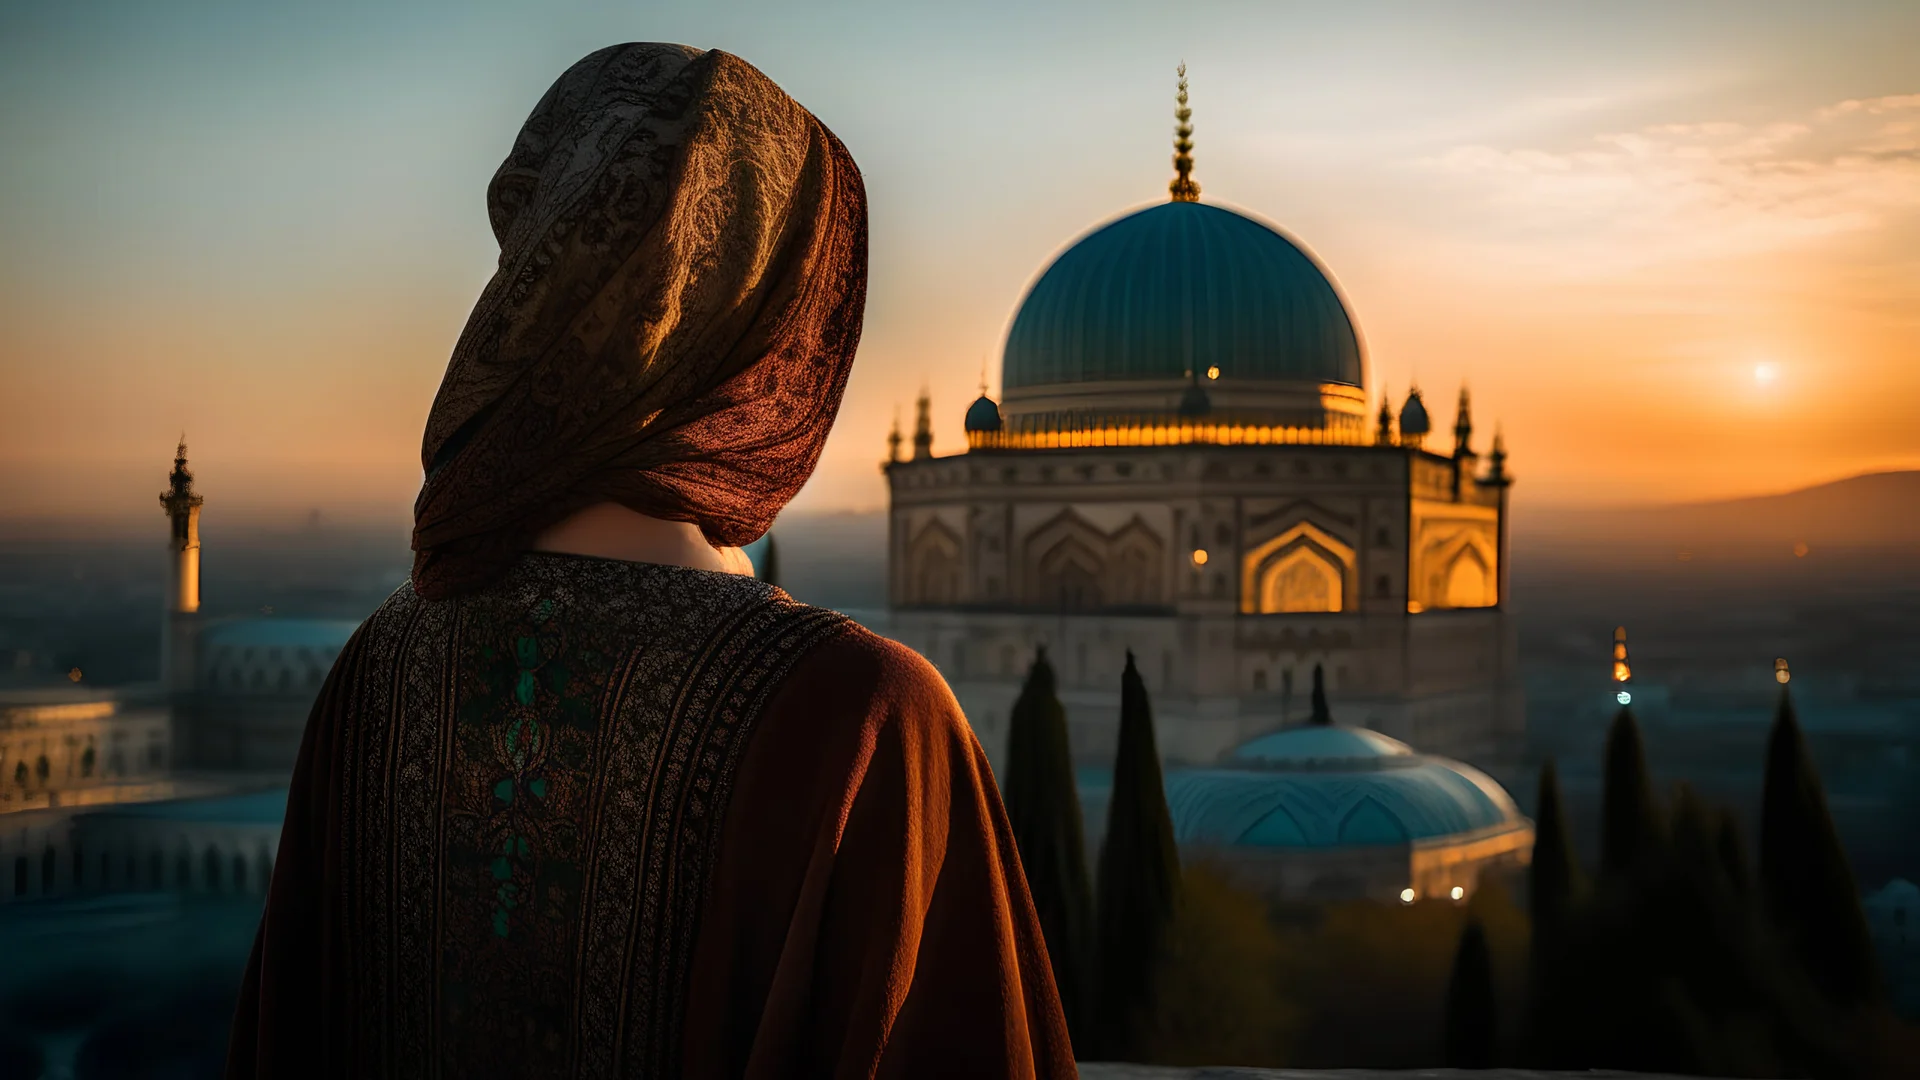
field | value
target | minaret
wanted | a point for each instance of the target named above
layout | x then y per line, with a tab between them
922	427
893	439
1183	187
179	632
1463	426
1384	436
1622	670
1497	460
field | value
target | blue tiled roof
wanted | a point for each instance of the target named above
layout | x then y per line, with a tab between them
1179	287
1332	787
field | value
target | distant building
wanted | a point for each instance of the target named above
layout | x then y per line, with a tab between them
1183	462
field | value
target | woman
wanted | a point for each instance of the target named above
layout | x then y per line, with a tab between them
582	799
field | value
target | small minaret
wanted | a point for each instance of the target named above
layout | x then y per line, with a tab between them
1384	435
1463	426
893	439
1183	187
1622	670
1497	460
183	576
923	427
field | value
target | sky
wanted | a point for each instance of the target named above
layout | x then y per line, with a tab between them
1674	249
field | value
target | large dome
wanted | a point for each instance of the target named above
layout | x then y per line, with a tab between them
1180	287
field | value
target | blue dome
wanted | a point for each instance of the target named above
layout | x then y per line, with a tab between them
1182	287
983	415
1323	787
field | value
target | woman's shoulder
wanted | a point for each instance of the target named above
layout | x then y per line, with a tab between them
859	672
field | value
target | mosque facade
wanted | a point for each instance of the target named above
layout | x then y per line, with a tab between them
1187	462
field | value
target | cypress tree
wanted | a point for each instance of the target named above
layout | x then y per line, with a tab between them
1043	809
1627	826
1138	879
1321	714
1469	1035
1805	879
1554	875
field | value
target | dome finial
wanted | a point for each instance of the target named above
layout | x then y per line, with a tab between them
1184	188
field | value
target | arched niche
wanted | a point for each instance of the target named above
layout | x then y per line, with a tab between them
1303	569
1462	572
934	569
1064	564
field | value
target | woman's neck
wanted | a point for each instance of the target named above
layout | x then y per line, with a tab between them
611	531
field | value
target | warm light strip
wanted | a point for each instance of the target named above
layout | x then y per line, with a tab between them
1168	435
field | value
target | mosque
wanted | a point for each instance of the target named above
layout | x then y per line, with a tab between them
1187	462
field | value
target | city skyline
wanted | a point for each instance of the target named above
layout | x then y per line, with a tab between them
1671	252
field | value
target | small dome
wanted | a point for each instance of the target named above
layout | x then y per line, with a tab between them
983	415
1413	416
1179	287
1319	746
1328	787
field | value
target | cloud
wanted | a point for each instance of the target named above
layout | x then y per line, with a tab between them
1711	190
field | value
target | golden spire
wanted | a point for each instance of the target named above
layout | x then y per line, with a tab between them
1184	188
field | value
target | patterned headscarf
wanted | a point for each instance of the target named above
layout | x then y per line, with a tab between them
683	266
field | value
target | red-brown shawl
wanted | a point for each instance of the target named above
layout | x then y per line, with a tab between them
683	259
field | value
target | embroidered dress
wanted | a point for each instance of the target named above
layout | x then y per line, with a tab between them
511	840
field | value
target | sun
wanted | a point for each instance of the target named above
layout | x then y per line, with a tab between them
1766	374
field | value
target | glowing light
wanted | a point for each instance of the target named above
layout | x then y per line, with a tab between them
73	675
1765	374
1213	372
1406	896
1199	556
1800	550
1457	892
1623	698
1780	673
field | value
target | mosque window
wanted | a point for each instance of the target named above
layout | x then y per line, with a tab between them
86	761
213	869
43	768
1381	538
48	863
20	774
79	866
1223	533
183	871
20	875
1383	586
106	870
155	863
1260	678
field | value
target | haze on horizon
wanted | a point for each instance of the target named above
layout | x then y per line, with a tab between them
1675	252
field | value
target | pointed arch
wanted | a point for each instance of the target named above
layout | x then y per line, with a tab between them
934	569
1302	569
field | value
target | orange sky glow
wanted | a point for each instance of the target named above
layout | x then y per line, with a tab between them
1674	258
